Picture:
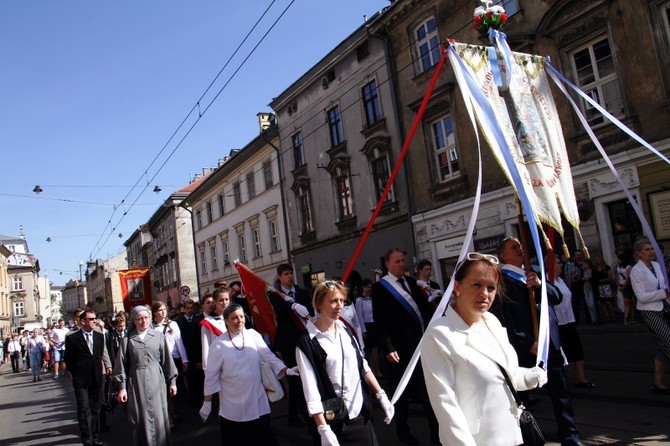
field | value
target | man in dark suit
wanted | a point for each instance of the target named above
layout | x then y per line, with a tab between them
401	313
189	325
292	305
85	355
514	313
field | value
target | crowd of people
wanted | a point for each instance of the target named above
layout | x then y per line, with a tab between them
333	349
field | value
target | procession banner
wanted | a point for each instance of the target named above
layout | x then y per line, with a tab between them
135	287
259	304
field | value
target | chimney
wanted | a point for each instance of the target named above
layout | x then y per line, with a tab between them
265	121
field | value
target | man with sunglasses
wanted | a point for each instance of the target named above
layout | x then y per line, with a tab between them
514	312
401	314
85	355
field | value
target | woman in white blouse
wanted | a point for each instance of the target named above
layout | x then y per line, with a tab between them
344	364
234	372
651	290
459	352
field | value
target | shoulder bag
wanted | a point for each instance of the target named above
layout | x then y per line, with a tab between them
334	409
530	431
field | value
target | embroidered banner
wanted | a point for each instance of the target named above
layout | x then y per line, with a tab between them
527	115
135	287
259	304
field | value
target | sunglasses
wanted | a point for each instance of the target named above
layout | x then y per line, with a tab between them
474	256
330	284
88	319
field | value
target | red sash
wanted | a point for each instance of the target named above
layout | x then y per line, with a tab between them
211	327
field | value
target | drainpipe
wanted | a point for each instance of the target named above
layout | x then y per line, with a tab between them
401	131
281	192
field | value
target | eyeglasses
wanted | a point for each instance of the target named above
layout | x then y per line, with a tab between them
330	284
479	256
88	319
474	256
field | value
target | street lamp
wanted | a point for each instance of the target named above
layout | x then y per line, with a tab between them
79	299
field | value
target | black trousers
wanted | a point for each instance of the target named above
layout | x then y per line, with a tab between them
15	357
416	390
88	411
256	432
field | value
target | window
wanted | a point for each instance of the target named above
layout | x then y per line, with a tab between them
267	174
198	219
208	208
226	252
380	176
510	6
305	208
335	125
298	150
344	199
596	75
258	252
18	283
237	194
666	19
427	44
19	309
444	141
274	235
213	259
371	101
203	261
222	208
251	185
242	248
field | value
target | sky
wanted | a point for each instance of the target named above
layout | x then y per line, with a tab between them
91	91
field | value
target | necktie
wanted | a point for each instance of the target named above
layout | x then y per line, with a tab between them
292	294
89	341
401	281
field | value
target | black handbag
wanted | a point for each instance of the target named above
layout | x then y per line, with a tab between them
530	430
334	409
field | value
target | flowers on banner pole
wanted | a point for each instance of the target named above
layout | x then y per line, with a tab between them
491	17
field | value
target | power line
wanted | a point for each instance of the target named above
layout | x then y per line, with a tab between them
197	120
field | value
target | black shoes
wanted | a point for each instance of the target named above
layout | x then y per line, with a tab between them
660	390
94	443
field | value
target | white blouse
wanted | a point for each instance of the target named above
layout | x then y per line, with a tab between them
333	344
350	316
173	337
563	311
207	337
649	288
235	373
364	309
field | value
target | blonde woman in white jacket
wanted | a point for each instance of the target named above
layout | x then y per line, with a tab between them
459	352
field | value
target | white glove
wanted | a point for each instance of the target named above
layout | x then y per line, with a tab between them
205	410
292	371
288	298
300	310
328	437
535	377
387	407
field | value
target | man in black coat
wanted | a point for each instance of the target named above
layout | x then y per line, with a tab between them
189	325
402	313
514	312
85	356
289	307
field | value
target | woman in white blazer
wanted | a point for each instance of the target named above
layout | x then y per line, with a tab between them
650	289
459	352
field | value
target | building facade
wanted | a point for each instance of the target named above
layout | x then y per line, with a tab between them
23	270
590	43
103	285
340	140
75	295
238	213
5	287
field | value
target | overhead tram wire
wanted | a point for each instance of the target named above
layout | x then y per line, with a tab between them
200	115
190	112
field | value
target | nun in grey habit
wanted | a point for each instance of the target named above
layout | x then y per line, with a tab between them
144	369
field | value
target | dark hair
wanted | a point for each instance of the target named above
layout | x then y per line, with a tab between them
365	283
84	313
206	296
387	254
503	246
235	282
282	267
422	264
230	308
220	290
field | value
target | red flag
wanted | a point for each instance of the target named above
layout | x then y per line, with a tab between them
135	287
259	304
